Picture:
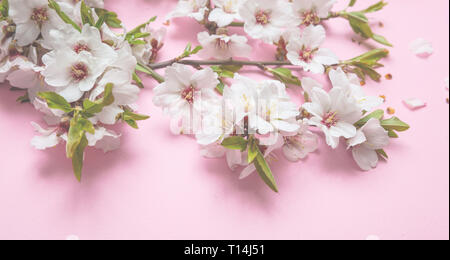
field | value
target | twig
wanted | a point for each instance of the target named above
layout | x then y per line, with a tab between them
259	64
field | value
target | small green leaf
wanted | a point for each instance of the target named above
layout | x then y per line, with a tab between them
352	3
285	75
101	20
395	123
220	87
235	143
226	71
381	39
56	101
78	128
23	99
196	49
4	8
378	114
55	6
78	157
376	7
90	107
138	80
110	18
372	57
392	134
252	150
264	171
382	153
130	118
86	14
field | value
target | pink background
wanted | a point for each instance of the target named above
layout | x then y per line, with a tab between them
157	186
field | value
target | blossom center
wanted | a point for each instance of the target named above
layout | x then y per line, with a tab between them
330	119
79	47
222	44
79	71
39	15
188	94
307	54
262	17
310	17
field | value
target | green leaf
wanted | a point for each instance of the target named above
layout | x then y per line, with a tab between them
133	34
352	3
376	7
56	101
220	87
378	114
381	39
235	143
23	99
4	8
392	134
252	150
372	57
264	171
86	14
101	20
285	75
395	123
382	153
110	18
138	80
150	72
78	157
130	118
78	128
108	97
196	49
55	6
367	69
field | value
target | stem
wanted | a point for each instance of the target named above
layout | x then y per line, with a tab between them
260	64
237	24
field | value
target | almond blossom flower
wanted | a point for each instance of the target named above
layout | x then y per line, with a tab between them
225	12
310	12
266	19
334	113
224	46
89	40
370	138
75	72
183	91
298	146
33	18
351	85
265	104
306	52
191	8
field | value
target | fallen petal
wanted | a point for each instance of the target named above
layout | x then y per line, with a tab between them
421	47
414	103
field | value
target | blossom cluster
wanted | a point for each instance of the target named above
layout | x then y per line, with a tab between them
74	69
247	121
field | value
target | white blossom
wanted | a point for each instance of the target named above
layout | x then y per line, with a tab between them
225	12
224	46
33	18
266	104
183	91
298	146
190	8
266	19
306	52
370	138
309	12
334	113
351	85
